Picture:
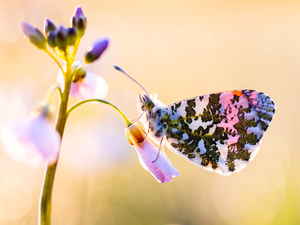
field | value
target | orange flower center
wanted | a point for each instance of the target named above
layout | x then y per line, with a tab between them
135	134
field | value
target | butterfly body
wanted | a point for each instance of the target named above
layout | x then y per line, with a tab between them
220	132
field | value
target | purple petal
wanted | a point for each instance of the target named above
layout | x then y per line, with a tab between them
27	29
78	12
34	35
32	141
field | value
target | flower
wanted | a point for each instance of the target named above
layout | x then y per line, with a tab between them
85	85
32	141
151	159
34	35
95	50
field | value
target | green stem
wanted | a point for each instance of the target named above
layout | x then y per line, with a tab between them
51	91
75	49
46	194
127	121
55	59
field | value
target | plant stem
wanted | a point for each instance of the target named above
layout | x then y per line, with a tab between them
53	57
50	92
127	121
46	194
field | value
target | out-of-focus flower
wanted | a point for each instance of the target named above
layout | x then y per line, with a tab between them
95	50
33	140
79	21
34	35
85	85
160	167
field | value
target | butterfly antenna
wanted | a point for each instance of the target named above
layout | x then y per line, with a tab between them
122	71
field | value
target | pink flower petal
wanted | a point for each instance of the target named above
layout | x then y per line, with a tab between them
162	169
32	141
162	160
92	86
159	174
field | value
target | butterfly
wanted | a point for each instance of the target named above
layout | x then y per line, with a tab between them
221	132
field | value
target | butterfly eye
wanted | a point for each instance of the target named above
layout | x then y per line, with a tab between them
149	104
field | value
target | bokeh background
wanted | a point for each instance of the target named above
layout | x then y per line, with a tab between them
177	49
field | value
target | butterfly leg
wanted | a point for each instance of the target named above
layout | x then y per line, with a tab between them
159	149
137	118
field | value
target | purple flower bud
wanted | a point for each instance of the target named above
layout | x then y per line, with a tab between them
34	35
95	50
51	39
61	37
79	21
78	12
71	36
49	26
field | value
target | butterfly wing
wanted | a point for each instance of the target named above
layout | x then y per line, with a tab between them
221	132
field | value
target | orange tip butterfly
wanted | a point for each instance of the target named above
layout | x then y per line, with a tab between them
221	132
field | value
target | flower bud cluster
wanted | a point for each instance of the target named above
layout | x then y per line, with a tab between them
62	37
63	40
56	37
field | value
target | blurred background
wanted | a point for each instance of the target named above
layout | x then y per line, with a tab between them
177	49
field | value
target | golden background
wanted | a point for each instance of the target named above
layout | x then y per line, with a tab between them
177	49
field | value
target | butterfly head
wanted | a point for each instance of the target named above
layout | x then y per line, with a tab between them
146	102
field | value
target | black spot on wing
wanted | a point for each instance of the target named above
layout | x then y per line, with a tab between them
190	111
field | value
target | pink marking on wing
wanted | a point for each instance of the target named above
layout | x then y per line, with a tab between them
233	140
229	125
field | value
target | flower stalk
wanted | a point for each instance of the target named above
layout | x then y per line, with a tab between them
126	120
47	188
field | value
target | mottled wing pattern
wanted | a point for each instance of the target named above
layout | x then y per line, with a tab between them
221	132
